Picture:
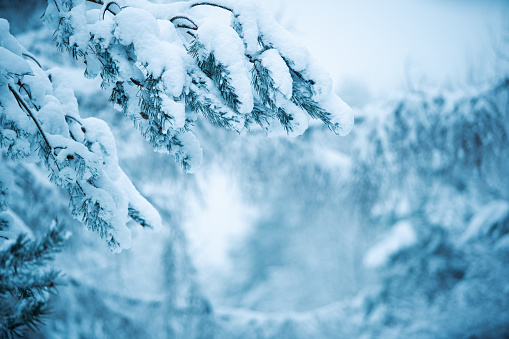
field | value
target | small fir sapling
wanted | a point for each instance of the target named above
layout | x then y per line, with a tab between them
25	280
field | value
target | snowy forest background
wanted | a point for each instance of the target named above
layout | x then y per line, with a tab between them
398	230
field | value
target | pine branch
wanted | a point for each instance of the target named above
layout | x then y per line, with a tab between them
218	73
24	287
140	98
265	88
260	115
33	251
302	97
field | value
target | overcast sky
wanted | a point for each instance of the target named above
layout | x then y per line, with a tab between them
392	44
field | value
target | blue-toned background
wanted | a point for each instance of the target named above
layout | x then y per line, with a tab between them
398	230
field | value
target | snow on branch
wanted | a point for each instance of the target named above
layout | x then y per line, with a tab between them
39	120
163	64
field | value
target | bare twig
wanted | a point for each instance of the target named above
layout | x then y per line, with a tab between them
99	2
185	26
23	105
31	57
110	10
58	8
184	18
211	4
73	118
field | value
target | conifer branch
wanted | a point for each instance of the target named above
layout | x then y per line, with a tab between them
154	101
24	287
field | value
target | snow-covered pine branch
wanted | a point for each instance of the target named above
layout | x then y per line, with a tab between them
39	120
163	64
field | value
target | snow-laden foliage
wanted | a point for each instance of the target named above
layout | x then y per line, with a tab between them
162	66
147	291
160	76
437	170
39	120
430	149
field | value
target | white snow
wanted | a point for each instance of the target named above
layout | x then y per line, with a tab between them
494	213
133	24
401	236
278	70
191	151
342	114
321	80
7	40
290	48
11	63
228	49
177	110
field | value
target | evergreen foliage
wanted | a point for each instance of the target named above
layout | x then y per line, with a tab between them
153	79
39	119
25	284
162	68
426	144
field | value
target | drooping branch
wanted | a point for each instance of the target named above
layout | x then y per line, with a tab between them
32	58
216	86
